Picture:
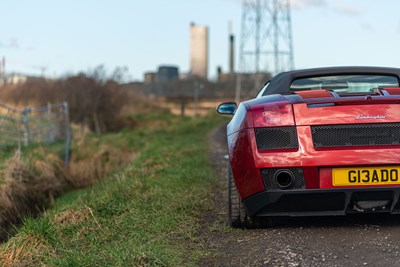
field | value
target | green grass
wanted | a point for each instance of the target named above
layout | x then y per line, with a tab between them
5	153
143	215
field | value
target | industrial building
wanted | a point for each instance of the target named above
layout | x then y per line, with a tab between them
167	74
150	78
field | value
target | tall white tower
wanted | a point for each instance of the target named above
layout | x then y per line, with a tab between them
198	50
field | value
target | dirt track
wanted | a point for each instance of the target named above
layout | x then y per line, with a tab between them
369	240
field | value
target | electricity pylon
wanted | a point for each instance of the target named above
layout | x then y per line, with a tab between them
266	43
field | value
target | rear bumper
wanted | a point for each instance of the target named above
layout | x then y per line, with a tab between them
317	202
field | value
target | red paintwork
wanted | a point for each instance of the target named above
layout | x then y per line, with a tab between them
247	175
392	90
314	94
247	161
345	114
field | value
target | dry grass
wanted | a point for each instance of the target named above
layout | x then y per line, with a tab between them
85	170
28	189
24	251
72	217
13	191
30	184
202	108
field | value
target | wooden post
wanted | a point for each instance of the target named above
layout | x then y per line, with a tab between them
25	113
182	107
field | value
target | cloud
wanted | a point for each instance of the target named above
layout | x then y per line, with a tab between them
11	43
367	27
298	4
350	10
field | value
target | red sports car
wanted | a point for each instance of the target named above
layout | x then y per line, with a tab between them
316	142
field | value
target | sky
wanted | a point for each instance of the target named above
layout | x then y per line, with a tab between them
70	36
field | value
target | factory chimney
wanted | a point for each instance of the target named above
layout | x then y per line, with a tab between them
199	50
231	55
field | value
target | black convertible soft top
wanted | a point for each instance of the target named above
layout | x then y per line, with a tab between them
280	83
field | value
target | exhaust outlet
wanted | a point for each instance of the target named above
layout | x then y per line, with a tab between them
284	179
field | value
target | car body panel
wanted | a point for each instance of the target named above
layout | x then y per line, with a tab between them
346	114
303	110
247	175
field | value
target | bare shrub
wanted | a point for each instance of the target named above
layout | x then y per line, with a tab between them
94	100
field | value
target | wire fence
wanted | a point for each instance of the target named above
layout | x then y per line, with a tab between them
46	124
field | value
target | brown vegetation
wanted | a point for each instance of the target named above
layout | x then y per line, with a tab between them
91	103
28	189
25	250
29	184
84	170
94	100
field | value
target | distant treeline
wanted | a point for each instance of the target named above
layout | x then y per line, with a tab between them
95	100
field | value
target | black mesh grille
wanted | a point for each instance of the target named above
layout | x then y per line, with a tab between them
268	176
356	135
276	138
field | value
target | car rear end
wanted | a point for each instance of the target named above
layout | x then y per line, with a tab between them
317	152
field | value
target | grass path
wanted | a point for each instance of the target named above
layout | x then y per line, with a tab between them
142	215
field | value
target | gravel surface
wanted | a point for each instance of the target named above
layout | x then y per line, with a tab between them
367	240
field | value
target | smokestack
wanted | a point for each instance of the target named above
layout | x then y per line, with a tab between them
219	73
199	50
231	51
231	55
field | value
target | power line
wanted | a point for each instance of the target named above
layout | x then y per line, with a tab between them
266	42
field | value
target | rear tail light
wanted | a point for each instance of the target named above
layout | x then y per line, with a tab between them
274	114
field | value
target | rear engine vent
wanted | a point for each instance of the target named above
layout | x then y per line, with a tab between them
276	138
356	135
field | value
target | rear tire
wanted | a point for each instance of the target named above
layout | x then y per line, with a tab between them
237	215
236	212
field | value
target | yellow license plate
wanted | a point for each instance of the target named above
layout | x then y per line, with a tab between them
388	175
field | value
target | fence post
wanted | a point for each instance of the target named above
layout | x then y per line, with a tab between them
67	133
18	121
25	119
182	107
196	97
51	131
